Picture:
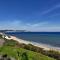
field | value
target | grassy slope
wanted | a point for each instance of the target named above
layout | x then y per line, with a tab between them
12	51
8	49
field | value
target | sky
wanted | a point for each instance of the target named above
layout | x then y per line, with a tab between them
30	15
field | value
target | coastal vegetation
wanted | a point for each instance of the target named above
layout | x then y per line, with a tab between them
22	51
0	36
49	53
22	54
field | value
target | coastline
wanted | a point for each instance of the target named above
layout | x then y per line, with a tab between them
44	46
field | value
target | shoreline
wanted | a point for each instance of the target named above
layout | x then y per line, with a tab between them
44	46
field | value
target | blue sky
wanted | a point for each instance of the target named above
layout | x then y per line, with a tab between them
31	15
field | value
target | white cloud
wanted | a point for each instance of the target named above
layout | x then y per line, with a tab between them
41	26
46	29
50	10
10	24
54	15
37	24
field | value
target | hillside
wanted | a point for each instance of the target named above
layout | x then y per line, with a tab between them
12	50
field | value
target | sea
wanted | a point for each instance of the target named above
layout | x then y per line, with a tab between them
48	38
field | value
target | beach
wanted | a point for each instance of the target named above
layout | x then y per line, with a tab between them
44	46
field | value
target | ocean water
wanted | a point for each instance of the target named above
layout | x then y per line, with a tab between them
50	38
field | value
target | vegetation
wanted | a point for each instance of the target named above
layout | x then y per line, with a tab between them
53	54
5	57
0	36
27	52
22	54
50	53
10	42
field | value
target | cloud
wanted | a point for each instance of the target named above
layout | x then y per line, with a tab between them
42	26
50	10
20	25
10	24
54	15
37	24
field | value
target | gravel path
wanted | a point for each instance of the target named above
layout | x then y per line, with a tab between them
1	42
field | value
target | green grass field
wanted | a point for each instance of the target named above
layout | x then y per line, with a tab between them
12	51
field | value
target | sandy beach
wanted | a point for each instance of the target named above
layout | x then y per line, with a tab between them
44	46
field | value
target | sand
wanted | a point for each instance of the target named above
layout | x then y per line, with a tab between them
44	46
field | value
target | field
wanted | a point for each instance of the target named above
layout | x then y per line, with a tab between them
23	54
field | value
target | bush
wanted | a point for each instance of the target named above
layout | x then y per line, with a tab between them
0	36
10	43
